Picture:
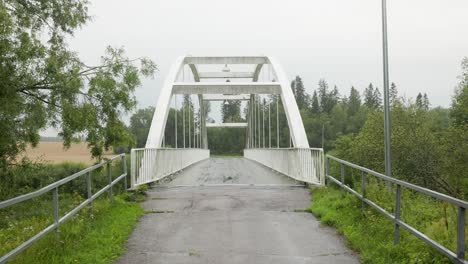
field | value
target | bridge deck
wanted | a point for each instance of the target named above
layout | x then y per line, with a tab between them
232	224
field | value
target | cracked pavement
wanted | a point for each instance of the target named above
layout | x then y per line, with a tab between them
232	223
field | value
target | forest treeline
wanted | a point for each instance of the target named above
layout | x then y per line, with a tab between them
429	144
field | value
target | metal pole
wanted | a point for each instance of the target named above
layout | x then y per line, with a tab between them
263	122
109	175
56	209
461	233
124	168
277	122
388	160
397	214
189	128
175	118
88	188
269	124
194	129
254	118
183	121
258	123
363	190
342	174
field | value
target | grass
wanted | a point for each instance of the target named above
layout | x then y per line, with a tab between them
371	234
86	238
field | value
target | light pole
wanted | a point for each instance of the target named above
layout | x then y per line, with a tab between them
388	160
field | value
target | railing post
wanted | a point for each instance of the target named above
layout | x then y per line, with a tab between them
397	214
461	234
363	190
133	167
88	188
109	175
327	171
342	174
124	168
56	209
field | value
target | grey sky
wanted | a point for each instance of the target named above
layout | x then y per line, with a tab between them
338	40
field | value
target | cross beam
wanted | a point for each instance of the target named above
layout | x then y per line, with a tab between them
222	97
239	125
226	88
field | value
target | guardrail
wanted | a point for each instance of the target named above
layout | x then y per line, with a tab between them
55	200
458	257
302	164
152	164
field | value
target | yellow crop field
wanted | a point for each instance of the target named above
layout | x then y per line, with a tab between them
54	152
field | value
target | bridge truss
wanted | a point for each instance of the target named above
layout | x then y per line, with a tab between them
266	77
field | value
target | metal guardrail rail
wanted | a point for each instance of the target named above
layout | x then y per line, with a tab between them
458	257
54	188
301	164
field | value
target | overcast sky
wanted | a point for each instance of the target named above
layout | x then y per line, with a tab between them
338	40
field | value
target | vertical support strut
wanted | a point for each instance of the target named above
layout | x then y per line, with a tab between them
461	233
277	123
175	118
183	121
263	122
269	124
397	214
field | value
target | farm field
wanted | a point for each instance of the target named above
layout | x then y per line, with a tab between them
54	152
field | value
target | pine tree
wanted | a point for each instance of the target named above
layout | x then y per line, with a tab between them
419	100
353	102
328	99
299	93
369	96
315	103
425	102
393	94
377	98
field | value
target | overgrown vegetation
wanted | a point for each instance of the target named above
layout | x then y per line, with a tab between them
371	234
95	236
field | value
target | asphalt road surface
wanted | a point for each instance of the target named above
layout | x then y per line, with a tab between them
236	223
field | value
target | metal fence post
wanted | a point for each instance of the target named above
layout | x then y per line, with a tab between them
397	214
363	190
342	173
56	209
327	171
88	188
109	174
124	168
461	233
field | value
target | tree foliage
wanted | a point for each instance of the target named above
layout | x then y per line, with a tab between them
45	84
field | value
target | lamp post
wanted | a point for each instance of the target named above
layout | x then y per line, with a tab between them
388	160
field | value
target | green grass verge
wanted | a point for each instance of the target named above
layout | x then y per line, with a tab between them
86	238
372	234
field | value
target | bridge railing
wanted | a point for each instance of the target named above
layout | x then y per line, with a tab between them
458	257
54	188
302	164
152	164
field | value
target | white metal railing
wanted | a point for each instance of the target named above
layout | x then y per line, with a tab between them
302	164
152	164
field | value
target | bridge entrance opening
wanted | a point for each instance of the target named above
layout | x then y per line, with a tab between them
253	93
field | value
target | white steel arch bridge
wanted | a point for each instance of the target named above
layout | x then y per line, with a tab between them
265	77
